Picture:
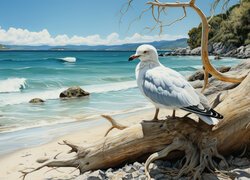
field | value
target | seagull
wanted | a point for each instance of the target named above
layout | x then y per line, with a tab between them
167	88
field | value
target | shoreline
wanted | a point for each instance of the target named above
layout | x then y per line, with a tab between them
53	131
219	50
50	130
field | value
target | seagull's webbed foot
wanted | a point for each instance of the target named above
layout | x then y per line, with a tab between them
173	115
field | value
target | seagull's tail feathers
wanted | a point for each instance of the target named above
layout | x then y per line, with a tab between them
209	116
208	120
203	111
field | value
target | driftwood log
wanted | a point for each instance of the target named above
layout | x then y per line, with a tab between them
202	144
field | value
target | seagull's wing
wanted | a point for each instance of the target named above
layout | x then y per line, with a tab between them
167	87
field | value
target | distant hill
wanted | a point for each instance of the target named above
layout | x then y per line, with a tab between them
160	45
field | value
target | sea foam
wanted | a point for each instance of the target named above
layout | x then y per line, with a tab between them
68	59
12	85
17	98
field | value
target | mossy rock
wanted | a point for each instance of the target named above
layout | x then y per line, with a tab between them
36	101
73	92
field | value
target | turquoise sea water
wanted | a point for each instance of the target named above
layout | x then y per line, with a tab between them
108	76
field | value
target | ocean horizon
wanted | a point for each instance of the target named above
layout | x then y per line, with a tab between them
107	75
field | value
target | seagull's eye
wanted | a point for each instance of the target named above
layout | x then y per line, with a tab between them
145	52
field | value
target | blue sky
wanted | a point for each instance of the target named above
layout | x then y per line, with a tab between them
60	22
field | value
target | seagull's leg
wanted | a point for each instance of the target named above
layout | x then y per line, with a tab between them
156	114
155	117
173	115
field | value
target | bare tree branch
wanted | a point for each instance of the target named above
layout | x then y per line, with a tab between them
192	2
125	9
157	18
177	4
113	123
215	4
179	19
139	17
204	53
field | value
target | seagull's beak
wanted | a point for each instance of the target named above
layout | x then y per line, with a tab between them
131	58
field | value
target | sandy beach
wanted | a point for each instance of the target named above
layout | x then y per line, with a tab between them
12	163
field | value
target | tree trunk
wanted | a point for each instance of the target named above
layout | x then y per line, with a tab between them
199	141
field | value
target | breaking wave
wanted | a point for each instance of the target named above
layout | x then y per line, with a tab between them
12	85
68	59
17	98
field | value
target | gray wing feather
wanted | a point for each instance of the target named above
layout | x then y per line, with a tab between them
203	101
167	87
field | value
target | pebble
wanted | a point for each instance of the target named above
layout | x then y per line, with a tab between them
128	169
109	175
137	165
142	177
136	171
97	175
127	177
135	174
109	170
142	170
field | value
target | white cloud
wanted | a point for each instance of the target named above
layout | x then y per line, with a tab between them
18	36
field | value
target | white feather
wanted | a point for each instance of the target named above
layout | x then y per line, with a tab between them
209	120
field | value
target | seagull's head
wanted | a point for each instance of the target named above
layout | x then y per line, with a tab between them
145	52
